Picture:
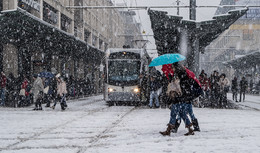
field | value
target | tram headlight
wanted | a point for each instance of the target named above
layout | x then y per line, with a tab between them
111	90
136	90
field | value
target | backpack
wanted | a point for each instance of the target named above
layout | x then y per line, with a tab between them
196	90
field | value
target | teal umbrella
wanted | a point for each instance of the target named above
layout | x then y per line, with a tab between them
167	59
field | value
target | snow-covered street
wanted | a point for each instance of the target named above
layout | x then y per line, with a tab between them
89	125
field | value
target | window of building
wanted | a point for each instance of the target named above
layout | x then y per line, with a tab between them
1	5
50	14
100	43
28	5
248	34
86	35
94	40
65	23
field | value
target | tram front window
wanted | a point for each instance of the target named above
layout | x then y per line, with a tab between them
123	73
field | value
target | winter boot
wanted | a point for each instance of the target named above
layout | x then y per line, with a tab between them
62	106
168	130
190	132
177	124
196	125
53	107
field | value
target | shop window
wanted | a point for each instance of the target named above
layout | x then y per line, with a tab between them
28	5
86	35
65	23
49	14
248	34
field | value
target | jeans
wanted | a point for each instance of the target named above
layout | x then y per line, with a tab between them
179	109
153	95
3	96
189	111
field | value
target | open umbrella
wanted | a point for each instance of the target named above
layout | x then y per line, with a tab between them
167	59
46	74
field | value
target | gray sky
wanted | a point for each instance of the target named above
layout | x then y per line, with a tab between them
143	18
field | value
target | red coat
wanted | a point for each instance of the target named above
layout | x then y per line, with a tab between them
167	69
24	86
3	81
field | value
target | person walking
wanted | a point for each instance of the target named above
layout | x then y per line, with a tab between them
154	86
24	95
37	91
224	88
243	87
181	103
3	81
61	93
234	89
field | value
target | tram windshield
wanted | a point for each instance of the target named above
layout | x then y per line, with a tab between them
123	72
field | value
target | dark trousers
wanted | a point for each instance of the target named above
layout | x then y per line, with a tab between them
61	99
244	95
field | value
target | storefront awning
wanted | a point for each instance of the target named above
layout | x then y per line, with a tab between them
23	29
245	62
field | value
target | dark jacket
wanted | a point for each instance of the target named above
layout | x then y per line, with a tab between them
243	85
188	85
234	86
154	85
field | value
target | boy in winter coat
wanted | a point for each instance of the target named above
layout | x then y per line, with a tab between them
61	93
37	91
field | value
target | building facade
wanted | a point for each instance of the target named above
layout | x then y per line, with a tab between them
240	39
44	35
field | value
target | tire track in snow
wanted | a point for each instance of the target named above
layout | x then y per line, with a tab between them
103	133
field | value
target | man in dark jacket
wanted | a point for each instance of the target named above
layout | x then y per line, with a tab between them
243	87
154	86
234	88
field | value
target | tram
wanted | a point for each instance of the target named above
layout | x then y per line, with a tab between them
123	68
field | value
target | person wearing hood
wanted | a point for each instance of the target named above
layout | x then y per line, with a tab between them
37	91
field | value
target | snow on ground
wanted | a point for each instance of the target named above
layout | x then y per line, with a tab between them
89	126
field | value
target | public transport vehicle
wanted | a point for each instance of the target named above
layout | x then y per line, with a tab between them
124	70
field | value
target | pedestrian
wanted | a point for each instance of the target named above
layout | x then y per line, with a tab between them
24	94
61	92
3	82
11	90
47	91
37	91
224	88
214	88
234	89
243	87
154	86
181	104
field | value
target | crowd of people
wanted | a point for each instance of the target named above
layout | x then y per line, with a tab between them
23	91
216	87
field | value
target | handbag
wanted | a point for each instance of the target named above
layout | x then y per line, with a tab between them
22	92
46	89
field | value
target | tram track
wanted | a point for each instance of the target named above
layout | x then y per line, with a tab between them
48	130
102	134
